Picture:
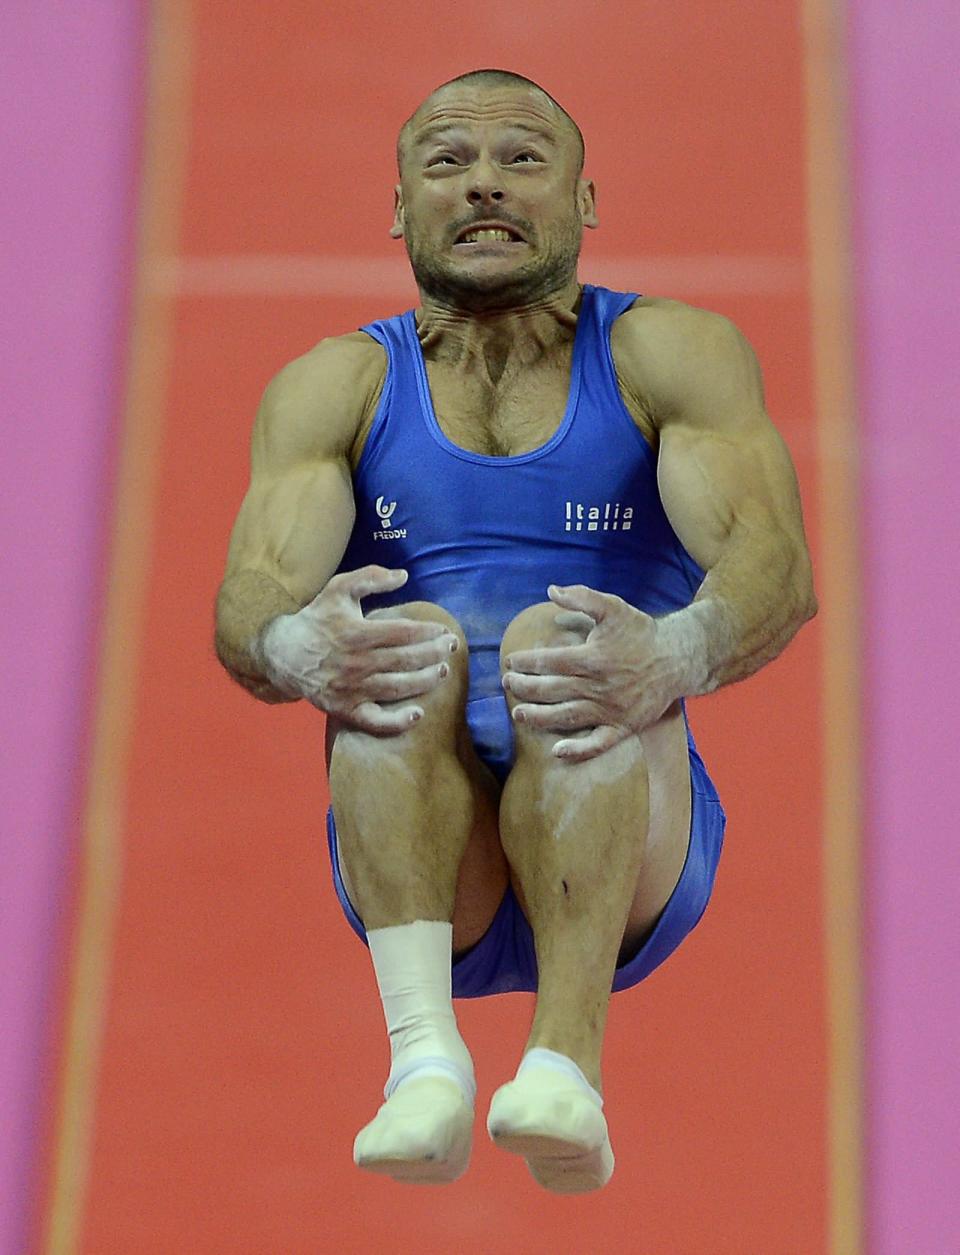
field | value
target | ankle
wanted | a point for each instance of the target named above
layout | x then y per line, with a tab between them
412	963
583	1060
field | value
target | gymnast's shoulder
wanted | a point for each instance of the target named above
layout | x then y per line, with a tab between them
325	393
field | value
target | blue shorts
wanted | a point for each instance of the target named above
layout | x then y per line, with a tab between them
504	959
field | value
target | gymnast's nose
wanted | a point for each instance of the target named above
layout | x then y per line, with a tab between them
485	184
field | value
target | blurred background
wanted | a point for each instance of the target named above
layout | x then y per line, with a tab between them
197	192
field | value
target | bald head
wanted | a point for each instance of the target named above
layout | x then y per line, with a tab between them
492	146
481	79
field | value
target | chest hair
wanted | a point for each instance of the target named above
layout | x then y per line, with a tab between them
518	414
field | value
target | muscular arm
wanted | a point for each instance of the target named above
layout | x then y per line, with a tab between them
729	489
296	518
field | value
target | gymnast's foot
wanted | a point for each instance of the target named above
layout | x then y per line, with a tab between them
421	1134
551	1115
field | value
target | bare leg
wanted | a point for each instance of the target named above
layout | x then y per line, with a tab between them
417	840
574	834
576	837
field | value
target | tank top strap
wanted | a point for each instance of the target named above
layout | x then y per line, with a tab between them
398	335
602	392
394	335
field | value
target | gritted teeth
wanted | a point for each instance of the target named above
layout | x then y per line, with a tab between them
504	234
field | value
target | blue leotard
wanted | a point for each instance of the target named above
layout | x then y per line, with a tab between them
483	536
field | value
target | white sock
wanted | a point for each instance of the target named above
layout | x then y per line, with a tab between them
562	1135
540	1057
412	963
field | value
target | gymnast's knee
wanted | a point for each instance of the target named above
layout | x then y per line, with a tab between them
423	611
443	706
541	625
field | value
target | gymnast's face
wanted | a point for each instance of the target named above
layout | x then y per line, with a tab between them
496	153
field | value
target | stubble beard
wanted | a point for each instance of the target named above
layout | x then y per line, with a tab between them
535	280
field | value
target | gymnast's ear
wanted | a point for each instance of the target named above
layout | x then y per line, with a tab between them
587	202
397	229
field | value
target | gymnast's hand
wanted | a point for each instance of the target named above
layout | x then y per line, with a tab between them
625	674
348	665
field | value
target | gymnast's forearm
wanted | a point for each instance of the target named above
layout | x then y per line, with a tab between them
749	607
246	603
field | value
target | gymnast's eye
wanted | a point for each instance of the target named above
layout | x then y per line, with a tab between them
532	156
441	157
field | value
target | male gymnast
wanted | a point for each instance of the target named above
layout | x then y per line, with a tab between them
564	510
